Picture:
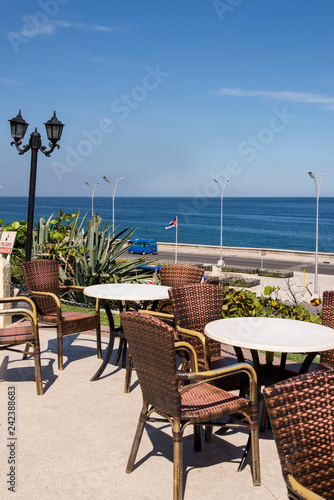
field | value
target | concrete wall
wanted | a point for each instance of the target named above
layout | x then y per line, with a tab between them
214	250
4	289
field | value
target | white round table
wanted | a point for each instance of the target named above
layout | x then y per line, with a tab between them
128	292
272	334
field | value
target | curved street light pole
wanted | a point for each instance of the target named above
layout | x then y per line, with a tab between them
317	194
113	194
220	262
18	127
92	190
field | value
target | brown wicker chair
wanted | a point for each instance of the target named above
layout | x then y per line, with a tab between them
301	411
23	334
327	357
194	306
177	275
42	280
153	349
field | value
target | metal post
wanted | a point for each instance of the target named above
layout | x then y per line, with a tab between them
35	144
317	193
92	190
220	262
113	194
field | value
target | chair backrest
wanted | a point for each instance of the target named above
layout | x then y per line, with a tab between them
327	357
180	274
42	275
194	306
152	347
301	411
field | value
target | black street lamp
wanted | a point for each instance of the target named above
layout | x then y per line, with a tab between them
18	127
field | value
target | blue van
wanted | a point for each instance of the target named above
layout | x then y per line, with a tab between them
143	246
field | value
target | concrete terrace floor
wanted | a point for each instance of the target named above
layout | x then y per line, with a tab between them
73	442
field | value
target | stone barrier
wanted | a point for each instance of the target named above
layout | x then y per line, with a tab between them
4	289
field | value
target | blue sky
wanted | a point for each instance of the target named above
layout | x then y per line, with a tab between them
170	95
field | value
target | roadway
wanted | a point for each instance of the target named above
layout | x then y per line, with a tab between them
295	263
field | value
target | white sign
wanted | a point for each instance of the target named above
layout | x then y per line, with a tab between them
7	239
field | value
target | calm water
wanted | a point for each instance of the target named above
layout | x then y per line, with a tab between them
287	223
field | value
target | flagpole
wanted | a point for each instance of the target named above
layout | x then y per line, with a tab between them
176	241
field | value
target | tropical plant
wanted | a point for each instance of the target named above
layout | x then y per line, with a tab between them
238	303
98	259
17	256
87	257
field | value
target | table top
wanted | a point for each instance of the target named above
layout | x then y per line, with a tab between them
127	291
272	334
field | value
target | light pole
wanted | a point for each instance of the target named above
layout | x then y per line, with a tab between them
92	190
18	127
113	193
221	262
317	193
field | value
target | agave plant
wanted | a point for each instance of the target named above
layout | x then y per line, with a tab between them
91	257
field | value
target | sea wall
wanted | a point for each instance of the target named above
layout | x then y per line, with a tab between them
273	252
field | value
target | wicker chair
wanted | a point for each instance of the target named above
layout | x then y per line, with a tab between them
23	334
42	280
153	350
194	306
327	357
301	411
177	275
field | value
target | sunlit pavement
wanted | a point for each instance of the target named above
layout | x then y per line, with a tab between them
73	442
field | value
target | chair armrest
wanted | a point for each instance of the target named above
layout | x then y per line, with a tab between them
163	316
192	354
79	289
157	314
49	295
208	376
71	287
30	314
298	489
201	337
28	301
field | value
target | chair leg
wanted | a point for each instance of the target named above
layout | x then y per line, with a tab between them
26	351
256	456
98	342
178	460
38	370
244	459
60	351
208	433
197	438
264	417
128	374
136	442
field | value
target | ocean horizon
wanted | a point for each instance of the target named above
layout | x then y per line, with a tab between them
254	222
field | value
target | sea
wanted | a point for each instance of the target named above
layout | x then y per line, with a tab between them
280	223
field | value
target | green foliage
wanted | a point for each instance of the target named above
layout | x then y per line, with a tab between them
19	248
240	303
86	257
57	237
97	258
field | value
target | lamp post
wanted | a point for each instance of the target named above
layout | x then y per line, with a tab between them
113	193
92	190
18	127
221	262
317	193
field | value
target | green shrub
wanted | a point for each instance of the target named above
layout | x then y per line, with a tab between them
241	303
